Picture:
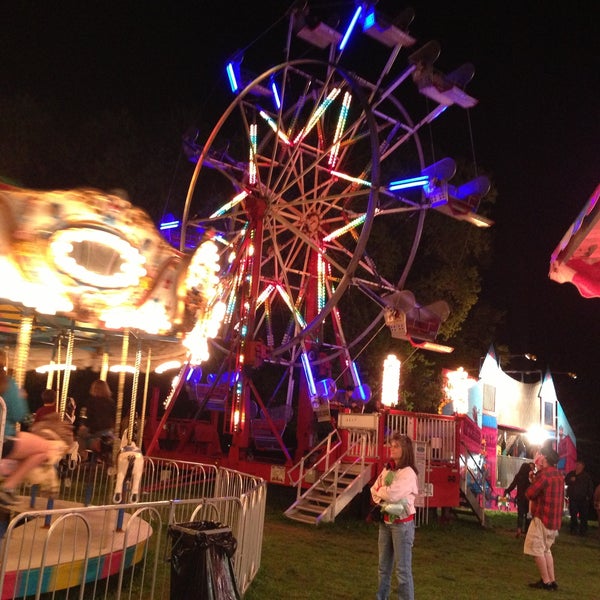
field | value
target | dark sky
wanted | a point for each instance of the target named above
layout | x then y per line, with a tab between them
536	127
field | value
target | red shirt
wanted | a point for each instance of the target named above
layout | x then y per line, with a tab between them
548	492
45	409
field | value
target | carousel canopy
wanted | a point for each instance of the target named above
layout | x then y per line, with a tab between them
576	259
89	267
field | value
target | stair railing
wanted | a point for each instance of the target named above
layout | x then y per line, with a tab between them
318	458
338	472
479	478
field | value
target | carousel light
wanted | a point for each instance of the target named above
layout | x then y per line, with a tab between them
122	369
151	317
167	366
53	367
132	261
196	341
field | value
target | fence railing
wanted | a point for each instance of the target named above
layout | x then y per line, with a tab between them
83	545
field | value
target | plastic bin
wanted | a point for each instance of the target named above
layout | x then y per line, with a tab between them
201	568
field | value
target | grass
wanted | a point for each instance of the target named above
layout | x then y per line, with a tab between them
458	561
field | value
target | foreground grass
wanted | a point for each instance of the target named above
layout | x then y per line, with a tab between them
459	561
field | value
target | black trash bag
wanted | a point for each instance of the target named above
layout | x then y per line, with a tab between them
201	568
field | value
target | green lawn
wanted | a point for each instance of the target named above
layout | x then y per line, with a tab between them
458	561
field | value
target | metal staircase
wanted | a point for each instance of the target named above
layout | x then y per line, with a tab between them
334	489
472	486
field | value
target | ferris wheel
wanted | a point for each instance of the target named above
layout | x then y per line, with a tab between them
293	178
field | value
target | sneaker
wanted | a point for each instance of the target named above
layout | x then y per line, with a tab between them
540	585
7	497
554	585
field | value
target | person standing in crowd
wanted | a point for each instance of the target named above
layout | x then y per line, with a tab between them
96	419
522	481
548	496
580	489
395	490
26	449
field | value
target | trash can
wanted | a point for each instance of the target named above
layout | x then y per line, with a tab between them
201	568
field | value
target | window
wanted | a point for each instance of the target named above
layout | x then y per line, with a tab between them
489	397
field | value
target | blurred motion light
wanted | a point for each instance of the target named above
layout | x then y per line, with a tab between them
167	366
55	367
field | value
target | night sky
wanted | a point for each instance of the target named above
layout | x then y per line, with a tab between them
536	128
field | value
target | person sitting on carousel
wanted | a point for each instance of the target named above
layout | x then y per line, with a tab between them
94	425
26	450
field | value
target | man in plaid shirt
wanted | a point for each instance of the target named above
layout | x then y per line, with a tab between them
547	493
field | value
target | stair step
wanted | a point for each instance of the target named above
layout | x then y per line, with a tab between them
312	508
320	498
302	518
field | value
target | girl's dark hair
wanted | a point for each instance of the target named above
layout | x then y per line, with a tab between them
408	454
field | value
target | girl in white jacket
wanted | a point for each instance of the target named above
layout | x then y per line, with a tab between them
395	490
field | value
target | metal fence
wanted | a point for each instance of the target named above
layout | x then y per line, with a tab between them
83	545
437	431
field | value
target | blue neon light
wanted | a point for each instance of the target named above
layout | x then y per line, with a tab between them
233	82
276	97
169	225
412	182
369	20
355	375
309	375
350	29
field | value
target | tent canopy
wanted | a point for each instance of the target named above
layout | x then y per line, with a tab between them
576	259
